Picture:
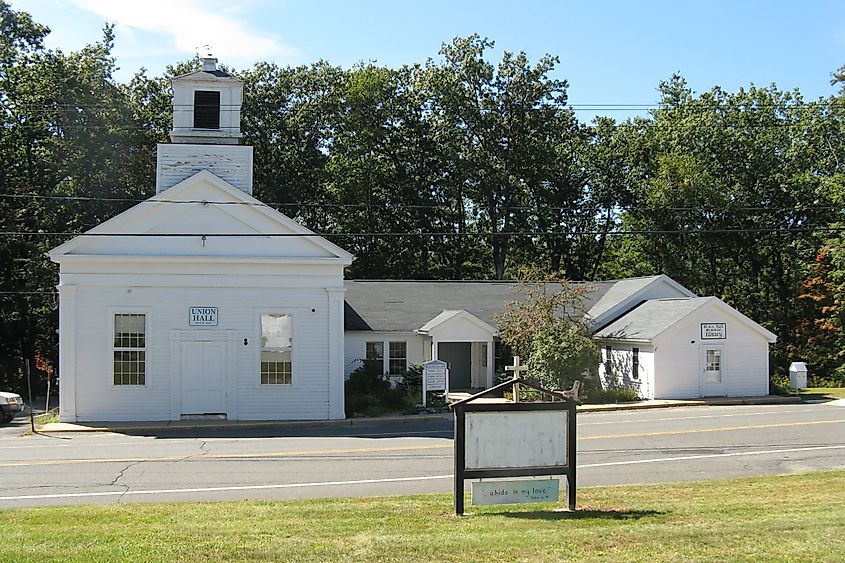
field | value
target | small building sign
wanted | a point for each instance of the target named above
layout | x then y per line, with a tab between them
435	378
714	331
434	373
511	492
202	316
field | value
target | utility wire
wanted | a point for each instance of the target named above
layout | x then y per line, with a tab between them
410	205
694	103
476	234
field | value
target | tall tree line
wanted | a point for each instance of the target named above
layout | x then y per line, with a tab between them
455	168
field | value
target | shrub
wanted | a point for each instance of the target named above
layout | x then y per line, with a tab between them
780	386
561	353
618	395
368	392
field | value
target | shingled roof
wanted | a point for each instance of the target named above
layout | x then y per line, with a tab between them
405	306
651	318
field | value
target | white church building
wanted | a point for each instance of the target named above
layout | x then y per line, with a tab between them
198	301
204	302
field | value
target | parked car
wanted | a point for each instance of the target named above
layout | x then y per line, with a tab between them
10	405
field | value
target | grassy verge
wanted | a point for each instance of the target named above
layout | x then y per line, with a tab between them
822	393
794	517
46	418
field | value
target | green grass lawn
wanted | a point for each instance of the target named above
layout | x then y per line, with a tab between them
794	517
822	393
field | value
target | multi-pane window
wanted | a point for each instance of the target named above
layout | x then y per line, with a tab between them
130	349
713	366
398	363
713	360
276	349
375	352
608	361
635	364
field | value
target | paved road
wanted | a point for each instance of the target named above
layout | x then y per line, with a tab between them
373	459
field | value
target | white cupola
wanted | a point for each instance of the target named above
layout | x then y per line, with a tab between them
207	106
206	132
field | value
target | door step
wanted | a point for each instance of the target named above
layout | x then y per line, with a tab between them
206	416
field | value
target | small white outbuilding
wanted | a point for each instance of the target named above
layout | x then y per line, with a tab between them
684	347
201	301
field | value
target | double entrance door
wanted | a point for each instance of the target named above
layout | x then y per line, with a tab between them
203	377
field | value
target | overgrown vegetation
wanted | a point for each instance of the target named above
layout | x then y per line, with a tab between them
476	168
369	392
596	395
780	518
545	325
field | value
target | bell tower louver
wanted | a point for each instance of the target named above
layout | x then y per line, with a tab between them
206	133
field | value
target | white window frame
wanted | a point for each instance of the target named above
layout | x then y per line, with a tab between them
389	358
148	354
259	348
366	359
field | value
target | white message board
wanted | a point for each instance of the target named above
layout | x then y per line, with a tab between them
515	439
511	492
434	373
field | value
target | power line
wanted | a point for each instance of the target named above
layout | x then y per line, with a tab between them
411	205
474	234
695	103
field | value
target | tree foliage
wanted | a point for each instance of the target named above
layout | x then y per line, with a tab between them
546	325
456	168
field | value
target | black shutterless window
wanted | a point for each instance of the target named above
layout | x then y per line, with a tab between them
206	110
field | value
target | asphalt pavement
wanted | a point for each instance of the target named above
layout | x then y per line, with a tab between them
377	458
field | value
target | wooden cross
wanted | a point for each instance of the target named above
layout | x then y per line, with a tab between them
516	368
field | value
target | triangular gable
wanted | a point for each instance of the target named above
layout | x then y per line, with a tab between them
627	294
451	316
232	212
658	317
730	311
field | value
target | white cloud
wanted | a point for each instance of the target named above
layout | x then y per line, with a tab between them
192	24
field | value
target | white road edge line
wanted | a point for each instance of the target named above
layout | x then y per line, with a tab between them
705	456
234	488
394	480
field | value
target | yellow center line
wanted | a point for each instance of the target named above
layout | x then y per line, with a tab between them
340	451
202	457
704	430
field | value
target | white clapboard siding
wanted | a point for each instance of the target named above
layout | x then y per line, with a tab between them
355	342
167	309
622	363
177	162
745	359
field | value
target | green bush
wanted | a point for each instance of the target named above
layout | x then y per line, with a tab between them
368	392
562	353
820	381
780	386
617	395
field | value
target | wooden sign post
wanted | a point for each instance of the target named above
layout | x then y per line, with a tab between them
513	439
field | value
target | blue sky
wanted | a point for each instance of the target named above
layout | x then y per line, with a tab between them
611	52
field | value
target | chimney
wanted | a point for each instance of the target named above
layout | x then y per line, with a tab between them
209	63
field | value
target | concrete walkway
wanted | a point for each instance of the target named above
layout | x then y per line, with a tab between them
235	424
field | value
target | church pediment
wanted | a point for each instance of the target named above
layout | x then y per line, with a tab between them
203	216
